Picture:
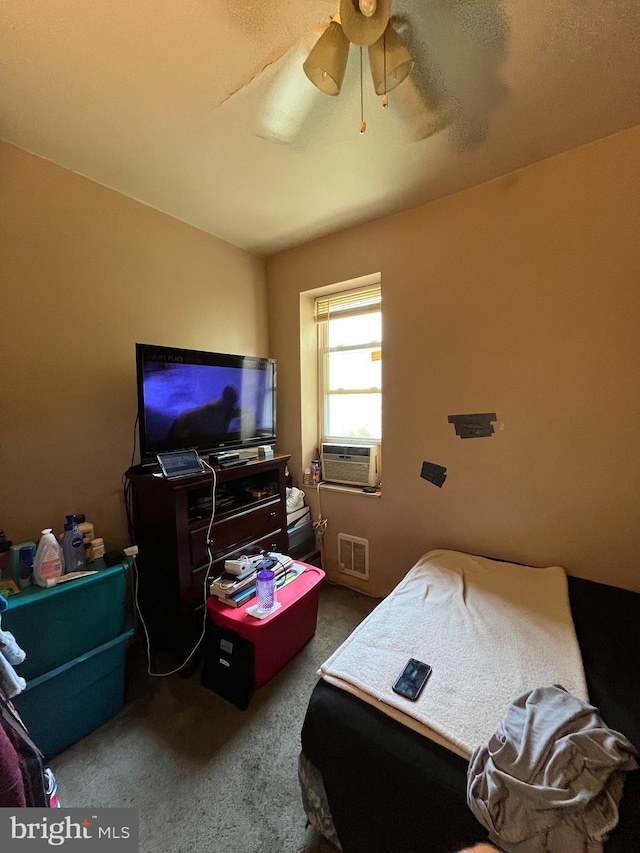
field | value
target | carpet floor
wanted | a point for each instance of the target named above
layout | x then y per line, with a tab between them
204	775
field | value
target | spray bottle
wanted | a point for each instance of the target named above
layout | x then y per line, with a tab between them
48	563
73	547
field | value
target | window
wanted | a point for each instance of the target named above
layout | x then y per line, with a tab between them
350	365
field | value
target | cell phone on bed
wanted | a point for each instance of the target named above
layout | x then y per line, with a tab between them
412	679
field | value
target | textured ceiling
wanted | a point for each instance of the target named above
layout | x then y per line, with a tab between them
177	104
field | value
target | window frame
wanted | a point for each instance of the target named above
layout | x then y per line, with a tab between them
357	301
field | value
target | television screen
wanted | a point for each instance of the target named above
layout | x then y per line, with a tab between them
203	400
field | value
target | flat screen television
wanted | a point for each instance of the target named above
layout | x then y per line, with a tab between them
208	401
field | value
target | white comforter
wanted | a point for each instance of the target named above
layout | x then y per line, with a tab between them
490	630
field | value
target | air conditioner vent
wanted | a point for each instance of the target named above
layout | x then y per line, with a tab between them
353	554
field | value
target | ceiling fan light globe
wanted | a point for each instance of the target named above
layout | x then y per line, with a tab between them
364	28
390	72
326	64
368	7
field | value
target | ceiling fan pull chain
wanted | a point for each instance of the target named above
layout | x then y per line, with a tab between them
363	124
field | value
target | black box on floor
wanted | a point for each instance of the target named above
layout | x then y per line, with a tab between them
227	666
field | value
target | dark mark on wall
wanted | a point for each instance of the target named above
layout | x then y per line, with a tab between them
435	474
473	426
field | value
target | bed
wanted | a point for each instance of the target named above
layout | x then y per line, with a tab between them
373	784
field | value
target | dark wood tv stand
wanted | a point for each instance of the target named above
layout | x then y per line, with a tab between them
170	521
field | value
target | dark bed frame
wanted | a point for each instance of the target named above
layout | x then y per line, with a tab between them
391	790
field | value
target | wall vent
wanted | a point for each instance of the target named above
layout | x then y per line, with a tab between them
353	554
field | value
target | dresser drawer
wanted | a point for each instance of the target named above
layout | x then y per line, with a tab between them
232	533
273	541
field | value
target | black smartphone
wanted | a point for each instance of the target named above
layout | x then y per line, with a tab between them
412	679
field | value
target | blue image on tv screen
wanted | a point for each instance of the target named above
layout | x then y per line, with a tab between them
194	405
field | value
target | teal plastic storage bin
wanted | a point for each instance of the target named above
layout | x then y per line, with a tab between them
56	625
62	706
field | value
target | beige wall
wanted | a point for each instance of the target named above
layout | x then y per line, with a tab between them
85	273
520	297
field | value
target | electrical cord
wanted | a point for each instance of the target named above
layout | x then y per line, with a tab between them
126	486
205	592
268	560
316	570
280	582
321	524
231	580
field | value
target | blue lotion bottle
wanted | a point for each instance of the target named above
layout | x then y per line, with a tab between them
73	547
26	556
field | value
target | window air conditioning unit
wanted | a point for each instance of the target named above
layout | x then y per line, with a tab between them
351	464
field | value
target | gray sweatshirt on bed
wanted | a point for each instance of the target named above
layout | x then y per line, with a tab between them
551	777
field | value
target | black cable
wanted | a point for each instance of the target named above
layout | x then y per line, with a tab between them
126	487
135	440
205	592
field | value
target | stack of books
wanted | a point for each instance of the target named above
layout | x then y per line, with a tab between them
234	593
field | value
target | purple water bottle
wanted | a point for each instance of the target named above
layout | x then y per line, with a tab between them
266	589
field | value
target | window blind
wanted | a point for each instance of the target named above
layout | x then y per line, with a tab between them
348	303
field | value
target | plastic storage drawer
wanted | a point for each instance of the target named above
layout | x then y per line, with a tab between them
62	706
302	539
57	625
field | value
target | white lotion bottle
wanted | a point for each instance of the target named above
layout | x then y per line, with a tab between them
48	563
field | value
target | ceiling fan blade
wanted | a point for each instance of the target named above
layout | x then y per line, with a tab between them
421	99
289	99
420	120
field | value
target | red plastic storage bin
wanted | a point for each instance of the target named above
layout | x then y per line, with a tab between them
276	638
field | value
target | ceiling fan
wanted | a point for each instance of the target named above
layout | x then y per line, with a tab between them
381	39
364	23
